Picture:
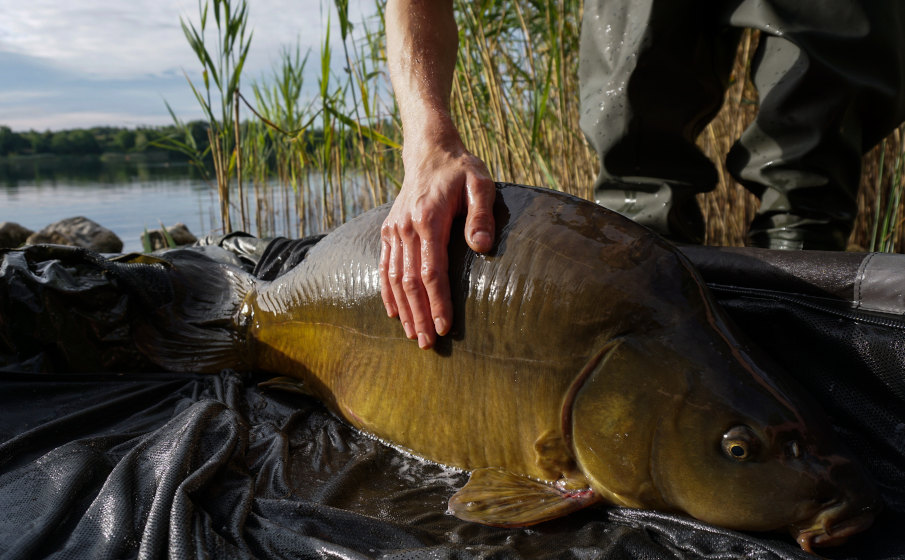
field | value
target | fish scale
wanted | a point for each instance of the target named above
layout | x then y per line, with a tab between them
586	364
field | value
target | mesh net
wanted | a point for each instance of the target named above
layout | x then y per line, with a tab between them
158	464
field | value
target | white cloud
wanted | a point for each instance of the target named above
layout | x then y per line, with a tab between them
16	97
91	38
74	59
84	119
124	39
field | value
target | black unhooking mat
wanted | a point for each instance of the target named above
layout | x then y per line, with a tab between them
152	465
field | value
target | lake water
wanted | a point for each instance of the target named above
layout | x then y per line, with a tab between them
123	196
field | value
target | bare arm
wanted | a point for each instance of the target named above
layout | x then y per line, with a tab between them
442	179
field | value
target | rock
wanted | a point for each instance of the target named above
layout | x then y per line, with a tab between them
79	232
13	235
50	237
179	232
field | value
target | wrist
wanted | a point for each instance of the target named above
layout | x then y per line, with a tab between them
435	133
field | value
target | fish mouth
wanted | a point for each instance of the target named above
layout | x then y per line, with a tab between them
834	525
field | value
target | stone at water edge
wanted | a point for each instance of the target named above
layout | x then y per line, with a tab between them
79	232
179	232
13	235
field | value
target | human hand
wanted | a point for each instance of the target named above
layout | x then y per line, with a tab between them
414	264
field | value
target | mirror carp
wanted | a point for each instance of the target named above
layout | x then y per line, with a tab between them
587	363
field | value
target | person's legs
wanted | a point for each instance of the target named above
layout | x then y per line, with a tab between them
653	74
829	74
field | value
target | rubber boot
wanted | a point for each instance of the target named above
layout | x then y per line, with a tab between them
658	206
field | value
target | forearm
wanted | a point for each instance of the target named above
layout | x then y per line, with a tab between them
422	40
442	178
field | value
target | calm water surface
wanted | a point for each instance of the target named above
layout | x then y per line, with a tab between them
125	197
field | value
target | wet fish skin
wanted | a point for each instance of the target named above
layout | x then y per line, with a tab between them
586	363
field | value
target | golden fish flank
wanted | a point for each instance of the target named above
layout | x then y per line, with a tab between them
586	364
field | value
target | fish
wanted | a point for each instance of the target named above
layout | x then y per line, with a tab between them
587	364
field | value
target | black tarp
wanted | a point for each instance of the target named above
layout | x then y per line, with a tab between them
149	465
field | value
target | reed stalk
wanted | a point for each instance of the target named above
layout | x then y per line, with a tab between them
315	162
223	68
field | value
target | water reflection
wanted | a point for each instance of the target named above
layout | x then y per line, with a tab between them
89	169
123	195
129	195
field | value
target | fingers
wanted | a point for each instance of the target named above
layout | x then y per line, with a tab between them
414	263
392	274
479	225
435	278
416	296
386	290
410	278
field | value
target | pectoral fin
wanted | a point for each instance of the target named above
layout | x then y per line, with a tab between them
552	456
499	498
289	384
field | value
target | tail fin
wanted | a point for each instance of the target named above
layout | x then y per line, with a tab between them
71	309
196	321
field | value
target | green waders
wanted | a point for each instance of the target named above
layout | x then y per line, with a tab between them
829	74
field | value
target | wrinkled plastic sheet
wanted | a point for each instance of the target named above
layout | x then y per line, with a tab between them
151	465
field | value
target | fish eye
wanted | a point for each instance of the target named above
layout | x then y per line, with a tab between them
740	443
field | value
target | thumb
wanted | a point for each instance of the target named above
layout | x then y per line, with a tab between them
479	224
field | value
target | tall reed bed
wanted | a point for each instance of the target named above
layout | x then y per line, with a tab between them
515	93
296	164
309	163
881	218
880	225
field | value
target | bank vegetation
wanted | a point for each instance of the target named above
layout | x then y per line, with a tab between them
271	150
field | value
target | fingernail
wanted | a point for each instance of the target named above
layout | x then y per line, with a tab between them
423	341
409	332
481	238
440	326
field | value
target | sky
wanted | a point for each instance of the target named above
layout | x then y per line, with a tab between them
82	63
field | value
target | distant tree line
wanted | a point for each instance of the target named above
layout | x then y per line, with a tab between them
95	141
114	140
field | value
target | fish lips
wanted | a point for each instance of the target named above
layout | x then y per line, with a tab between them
835	524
